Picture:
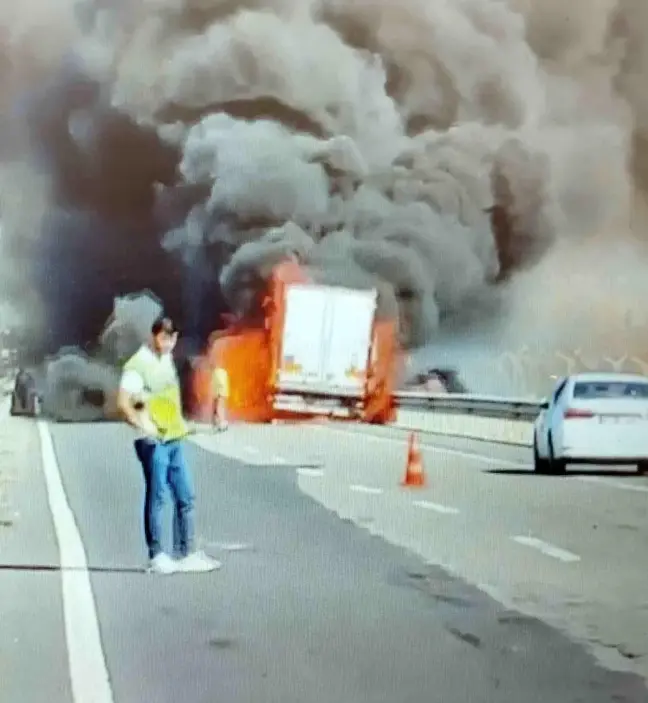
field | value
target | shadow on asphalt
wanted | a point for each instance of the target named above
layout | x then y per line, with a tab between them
90	569
606	473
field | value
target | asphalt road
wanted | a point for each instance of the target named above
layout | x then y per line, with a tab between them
569	550
311	605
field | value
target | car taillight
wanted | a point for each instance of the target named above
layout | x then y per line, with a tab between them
575	413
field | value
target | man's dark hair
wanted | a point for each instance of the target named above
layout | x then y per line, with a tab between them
164	325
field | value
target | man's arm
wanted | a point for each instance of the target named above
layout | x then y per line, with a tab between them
130	386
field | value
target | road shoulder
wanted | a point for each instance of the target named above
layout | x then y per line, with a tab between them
33	654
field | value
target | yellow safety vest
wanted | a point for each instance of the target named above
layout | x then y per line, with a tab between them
162	397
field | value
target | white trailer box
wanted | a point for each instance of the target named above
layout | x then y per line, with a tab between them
327	339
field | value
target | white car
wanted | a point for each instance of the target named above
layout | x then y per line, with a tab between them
593	418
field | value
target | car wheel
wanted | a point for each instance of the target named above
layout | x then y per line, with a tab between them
540	465
556	466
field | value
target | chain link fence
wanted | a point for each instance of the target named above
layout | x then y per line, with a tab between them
534	374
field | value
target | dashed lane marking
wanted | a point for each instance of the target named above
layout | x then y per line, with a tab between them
312	473
436	507
370	490
546	548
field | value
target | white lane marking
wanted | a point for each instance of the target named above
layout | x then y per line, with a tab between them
443	450
549	549
88	670
279	460
313	473
251	450
612	484
231	547
356	488
436	507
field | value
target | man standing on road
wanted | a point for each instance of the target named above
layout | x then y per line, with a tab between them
150	401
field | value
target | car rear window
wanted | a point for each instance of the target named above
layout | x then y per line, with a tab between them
615	389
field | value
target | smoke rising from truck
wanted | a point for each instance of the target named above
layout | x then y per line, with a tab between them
430	148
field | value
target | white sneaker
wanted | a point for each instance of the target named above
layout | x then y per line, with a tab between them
198	562
162	564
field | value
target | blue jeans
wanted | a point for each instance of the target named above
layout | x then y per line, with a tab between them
164	465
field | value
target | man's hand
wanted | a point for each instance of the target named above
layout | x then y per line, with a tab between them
132	410
151	434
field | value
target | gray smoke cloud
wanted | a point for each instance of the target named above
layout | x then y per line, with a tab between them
432	149
372	139
128	327
79	387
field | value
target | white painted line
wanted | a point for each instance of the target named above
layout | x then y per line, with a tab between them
619	485
313	473
436	507
252	450
88	671
279	460
549	549
233	547
427	447
366	489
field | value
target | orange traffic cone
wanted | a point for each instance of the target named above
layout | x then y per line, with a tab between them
414	471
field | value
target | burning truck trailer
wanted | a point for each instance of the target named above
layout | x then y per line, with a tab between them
320	351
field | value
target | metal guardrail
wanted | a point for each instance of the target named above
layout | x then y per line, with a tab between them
468	404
